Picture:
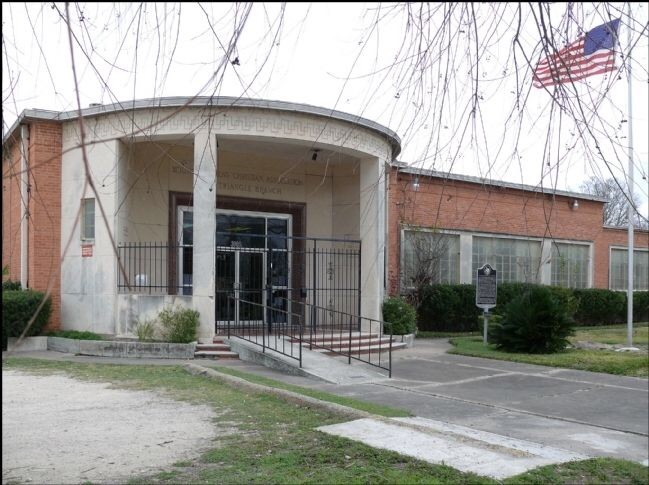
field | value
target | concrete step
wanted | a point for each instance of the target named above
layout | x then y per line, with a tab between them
215	354
363	349
218	349
336	337
215	346
355	344
339	338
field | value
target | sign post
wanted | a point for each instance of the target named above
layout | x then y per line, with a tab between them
485	294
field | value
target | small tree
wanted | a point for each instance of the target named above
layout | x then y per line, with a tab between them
424	251
616	210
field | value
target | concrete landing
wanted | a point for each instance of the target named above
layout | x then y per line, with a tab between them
466	449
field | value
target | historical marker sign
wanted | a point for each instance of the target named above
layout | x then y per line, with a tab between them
486	288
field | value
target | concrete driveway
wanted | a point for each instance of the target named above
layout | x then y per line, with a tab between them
583	412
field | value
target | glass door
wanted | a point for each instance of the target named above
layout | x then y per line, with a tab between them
252	266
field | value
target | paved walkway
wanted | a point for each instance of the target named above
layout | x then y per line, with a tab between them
581	412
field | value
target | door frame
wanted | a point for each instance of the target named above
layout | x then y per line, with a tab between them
264	252
296	209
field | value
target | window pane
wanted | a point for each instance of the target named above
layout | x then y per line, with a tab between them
619	269
237	231
88	219
277	227
515	260
569	265
429	257
188	227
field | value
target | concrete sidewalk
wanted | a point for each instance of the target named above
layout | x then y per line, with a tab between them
584	413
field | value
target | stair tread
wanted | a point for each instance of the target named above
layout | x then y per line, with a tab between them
215	352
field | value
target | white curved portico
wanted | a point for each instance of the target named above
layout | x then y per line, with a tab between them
152	161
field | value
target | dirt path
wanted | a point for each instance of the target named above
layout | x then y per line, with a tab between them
59	430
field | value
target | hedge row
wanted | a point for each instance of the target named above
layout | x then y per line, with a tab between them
18	307
452	307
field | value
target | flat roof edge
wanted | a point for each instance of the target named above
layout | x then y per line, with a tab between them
498	183
209	102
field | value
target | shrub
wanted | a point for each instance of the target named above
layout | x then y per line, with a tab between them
75	334
641	306
400	317
18	307
179	325
507	292
448	308
600	307
11	285
145	330
534	322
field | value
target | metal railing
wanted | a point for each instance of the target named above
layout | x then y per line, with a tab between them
336	333
284	272
349	335
155	268
283	335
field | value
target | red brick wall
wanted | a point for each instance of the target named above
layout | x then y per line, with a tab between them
45	213
11	209
466	206
606	238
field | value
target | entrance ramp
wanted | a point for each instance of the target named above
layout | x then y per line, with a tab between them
314	363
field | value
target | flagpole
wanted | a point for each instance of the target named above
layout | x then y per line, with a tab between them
629	290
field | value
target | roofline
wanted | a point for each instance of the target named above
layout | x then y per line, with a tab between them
499	183
625	228
208	101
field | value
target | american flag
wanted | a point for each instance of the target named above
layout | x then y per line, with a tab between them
591	54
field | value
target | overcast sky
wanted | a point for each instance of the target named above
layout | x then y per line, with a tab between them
338	56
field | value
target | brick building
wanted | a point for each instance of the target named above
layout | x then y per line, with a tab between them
530	234
311	184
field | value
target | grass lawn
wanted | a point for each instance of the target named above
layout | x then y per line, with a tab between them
613	334
608	361
276	441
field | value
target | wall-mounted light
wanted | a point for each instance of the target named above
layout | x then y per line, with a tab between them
575	204
415	184
314	157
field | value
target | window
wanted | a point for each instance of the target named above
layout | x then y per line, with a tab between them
619	273
88	219
515	260
429	257
570	265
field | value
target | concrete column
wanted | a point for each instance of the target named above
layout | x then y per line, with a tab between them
466	259
205	159
545	271
372	233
